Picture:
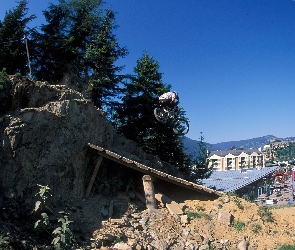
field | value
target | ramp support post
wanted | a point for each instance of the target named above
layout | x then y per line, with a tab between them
94	175
149	192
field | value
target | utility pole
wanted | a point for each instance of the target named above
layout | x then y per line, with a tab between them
28	56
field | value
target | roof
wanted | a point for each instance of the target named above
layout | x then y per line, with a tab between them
153	172
235	152
232	180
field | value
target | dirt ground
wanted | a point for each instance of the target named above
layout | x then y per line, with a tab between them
262	235
290	211
264	228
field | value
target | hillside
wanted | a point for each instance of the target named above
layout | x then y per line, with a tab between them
254	143
44	141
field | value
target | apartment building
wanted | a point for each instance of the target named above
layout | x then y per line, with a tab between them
236	159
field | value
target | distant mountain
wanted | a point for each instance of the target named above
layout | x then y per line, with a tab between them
255	143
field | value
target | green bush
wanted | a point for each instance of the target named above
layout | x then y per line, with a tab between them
63	238
3	79
232	194
193	215
239	225
287	247
256	228
265	214
5	92
238	203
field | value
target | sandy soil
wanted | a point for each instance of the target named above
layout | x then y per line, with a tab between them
286	211
260	234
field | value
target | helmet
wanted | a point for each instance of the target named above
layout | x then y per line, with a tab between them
176	95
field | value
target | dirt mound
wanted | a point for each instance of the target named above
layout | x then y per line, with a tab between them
44	140
225	223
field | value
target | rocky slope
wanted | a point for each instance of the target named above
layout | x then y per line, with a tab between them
226	223
44	140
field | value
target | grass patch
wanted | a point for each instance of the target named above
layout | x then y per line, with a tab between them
193	215
265	214
199	208
286	247
282	206
239	225
238	203
256	228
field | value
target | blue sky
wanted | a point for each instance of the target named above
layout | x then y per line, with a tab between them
231	61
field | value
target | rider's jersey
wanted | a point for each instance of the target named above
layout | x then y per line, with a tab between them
167	96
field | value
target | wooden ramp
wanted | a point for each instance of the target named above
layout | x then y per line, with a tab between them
147	170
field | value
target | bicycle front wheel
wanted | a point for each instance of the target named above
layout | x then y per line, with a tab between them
160	115
181	127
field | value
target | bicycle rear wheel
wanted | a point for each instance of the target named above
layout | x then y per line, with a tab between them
160	115
181	127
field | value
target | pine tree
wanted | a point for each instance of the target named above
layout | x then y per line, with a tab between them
78	47
62	42
200	163
53	45
101	55
135	118
13	53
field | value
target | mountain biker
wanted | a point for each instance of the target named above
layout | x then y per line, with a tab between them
169	99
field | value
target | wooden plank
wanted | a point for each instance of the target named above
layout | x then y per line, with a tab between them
171	205
111	208
151	171
174	208
126	160
94	175
162	174
113	154
162	198
157	172
96	147
141	166
140	197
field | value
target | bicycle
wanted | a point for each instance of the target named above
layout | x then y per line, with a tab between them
173	116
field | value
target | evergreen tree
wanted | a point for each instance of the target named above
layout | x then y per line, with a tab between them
101	55
62	42
135	118
78	47
200	163
13	52
53	45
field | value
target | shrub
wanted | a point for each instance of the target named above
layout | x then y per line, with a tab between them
5	92
238	203
232	194
287	247
239	225
193	215
256	228
265	214
40	205
199	208
63	236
